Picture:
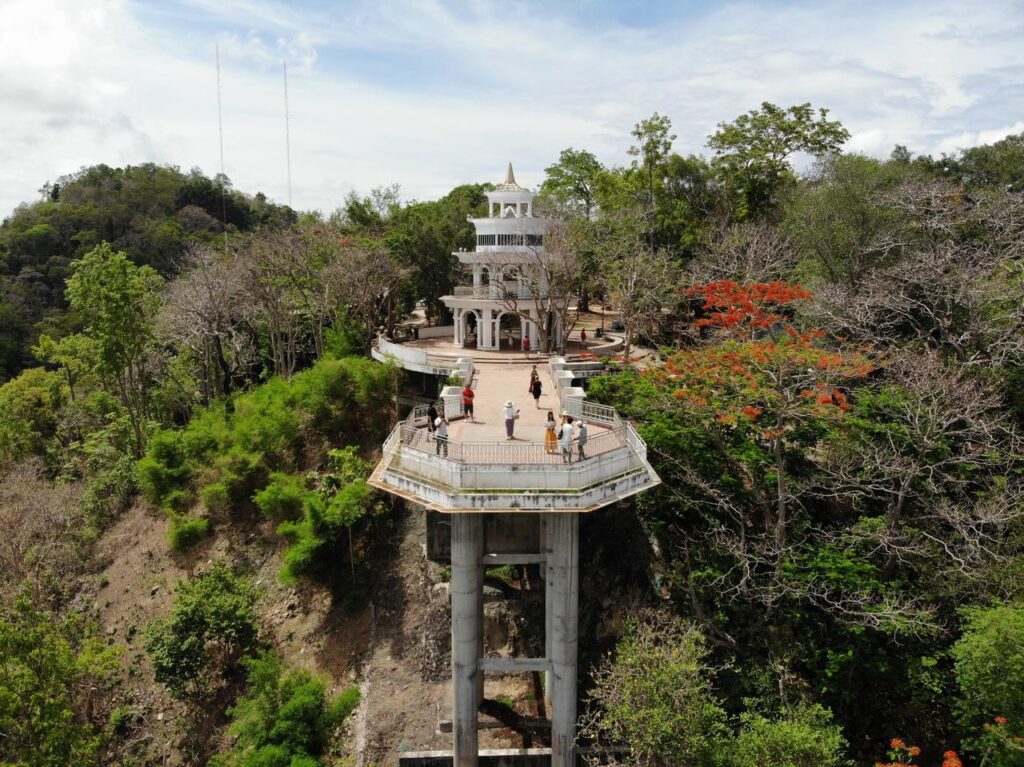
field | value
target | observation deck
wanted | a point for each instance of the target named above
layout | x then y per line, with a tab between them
479	470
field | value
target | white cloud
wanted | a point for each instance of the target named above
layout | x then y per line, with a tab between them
431	95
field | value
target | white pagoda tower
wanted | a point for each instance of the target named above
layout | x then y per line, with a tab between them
508	281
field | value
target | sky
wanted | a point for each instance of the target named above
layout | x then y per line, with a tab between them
433	94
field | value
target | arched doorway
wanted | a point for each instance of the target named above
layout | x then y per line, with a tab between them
509	330
470	328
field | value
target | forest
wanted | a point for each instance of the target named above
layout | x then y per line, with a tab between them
825	364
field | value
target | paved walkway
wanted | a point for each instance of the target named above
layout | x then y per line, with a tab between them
496	384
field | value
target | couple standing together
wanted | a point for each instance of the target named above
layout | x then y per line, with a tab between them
558	437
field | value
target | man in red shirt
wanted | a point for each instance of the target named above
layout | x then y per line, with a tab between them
467	401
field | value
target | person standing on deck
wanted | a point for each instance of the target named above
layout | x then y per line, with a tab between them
526	346
565	438
550	438
431	417
582	438
534	375
441	436
467	401
535	390
511	414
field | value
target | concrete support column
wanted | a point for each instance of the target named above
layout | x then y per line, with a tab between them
483	329
459	334
477	276
467	590
563	583
524	328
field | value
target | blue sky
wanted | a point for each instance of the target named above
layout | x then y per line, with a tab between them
433	94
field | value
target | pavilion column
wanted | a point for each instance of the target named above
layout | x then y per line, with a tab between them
478	276
484	324
524	328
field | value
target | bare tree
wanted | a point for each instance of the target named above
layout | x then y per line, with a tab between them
41	523
745	253
640	284
207	312
952	277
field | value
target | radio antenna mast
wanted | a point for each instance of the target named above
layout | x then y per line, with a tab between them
223	175
287	131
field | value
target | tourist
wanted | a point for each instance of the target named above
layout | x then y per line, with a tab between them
535	390
565	438
511	414
526	346
467	401
581	437
534	375
431	418
550	438
583	336
441	435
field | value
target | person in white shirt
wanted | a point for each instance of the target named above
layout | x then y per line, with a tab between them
511	413
581	437
441	435
565	438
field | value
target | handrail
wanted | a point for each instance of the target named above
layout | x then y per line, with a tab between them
515	453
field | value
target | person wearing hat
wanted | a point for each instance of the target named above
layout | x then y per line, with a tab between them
581	437
565	438
511	414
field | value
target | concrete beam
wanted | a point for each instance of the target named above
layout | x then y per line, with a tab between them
490	560
514	665
467	635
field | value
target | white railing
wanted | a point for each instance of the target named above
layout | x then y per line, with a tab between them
493	291
524	467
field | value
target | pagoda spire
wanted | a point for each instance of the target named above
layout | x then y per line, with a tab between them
510	177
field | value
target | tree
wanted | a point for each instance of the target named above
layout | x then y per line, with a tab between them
639	284
752	152
948	278
211	627
655	697
572	182
118	301
746	253
989	659
51	670
650	153
802	736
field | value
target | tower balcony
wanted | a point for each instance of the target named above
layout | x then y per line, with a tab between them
496	291
466	476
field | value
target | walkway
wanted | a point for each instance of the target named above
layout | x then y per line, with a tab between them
494	385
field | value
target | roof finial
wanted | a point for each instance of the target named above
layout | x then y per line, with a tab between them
510	177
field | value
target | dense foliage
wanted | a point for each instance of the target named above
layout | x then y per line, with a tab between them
829	388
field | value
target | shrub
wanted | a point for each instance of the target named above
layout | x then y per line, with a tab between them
211	626
655	696
804	736
989	663
186	532
163	469
216	497
28	413
284	498
286	719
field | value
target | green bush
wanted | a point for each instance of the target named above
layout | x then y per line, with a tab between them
211	627
989	663
286	719
284	498
163	469
29	406
804	736
186	532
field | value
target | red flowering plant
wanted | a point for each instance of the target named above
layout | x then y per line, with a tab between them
762	403
1001	743
902	755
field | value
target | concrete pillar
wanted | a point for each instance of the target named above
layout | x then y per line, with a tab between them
562	584
467	590
477	276
459	335
483	329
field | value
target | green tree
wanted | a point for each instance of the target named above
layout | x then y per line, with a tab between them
803	736
29	413
655	696
650	154
118	301
285	720
989	659
51	670
211	627
572	181
752	152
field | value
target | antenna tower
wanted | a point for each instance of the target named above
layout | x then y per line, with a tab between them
223	180
287	131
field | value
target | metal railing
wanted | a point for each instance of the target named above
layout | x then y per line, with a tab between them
493	291
511	453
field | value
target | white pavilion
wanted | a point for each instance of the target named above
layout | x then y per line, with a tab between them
509	288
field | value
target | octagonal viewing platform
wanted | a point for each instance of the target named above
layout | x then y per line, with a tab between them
479	470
